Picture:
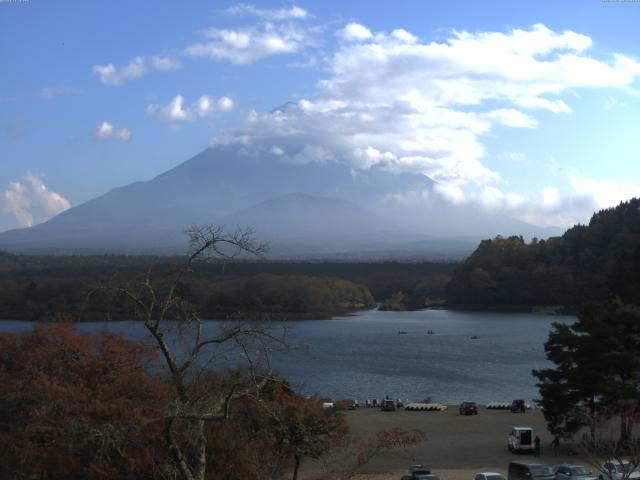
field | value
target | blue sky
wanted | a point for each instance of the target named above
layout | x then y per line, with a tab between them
532	108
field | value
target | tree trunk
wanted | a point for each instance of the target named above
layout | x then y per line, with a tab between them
592	424
296	467
625	429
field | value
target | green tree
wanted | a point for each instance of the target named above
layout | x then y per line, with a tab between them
597	360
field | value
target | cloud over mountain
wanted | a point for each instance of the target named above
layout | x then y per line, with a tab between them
396	102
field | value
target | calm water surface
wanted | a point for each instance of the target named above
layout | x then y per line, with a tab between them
363	356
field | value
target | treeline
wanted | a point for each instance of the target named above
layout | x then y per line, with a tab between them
270	297
285	296
55	287
587	264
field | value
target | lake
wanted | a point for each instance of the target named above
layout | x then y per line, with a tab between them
363	356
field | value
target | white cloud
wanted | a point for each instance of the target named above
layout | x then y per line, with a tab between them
205	106
393	101
110	75
515	156
604	193
165	63
510	117
292	13
31	201
52	92
106	131
138	67
424	107
548	207
355	32
550	197
245	45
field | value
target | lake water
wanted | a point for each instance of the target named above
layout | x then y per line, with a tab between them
363	356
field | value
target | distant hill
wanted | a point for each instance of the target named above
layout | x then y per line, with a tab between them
311	210
588	263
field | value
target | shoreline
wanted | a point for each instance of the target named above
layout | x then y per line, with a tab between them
550	310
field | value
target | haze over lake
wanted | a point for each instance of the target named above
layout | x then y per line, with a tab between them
363	356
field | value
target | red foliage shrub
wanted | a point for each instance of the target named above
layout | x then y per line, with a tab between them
73	405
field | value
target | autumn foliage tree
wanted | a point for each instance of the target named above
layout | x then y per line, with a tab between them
74	406
303	428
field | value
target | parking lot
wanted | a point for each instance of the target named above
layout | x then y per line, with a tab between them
457	446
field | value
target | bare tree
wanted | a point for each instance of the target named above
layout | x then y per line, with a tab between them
238	353
612	458
350	455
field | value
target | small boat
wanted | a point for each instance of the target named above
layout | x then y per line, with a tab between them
430	332
401	332
474	337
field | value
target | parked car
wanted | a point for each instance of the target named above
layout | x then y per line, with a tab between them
518	406
573	472
488	476
530	470
420	472
521	439
419	469
468	408
388	405
618	470
420	477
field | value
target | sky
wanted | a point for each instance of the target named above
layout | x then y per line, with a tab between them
526	108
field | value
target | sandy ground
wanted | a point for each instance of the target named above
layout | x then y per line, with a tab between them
456	447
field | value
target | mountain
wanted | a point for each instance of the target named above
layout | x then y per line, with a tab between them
317	208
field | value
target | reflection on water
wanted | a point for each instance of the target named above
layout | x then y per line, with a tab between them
363	356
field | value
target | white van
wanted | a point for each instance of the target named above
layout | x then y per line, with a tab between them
521	439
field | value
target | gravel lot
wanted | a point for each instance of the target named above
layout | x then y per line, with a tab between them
457	446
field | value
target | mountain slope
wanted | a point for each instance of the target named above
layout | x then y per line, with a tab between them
224	185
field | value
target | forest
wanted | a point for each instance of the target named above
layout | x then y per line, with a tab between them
55	287
586	264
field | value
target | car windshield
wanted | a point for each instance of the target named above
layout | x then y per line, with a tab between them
624	468
541	470
494	477
579	471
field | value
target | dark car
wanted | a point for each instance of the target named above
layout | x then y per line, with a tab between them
518	406
530	470
420	472
418	476
468	408
388	405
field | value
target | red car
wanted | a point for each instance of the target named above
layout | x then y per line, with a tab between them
468	408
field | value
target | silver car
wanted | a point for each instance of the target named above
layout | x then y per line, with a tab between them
488	476
573	472
618	470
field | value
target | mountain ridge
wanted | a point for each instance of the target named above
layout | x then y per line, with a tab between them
347	211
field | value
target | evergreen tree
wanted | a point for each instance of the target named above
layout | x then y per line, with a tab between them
597	360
